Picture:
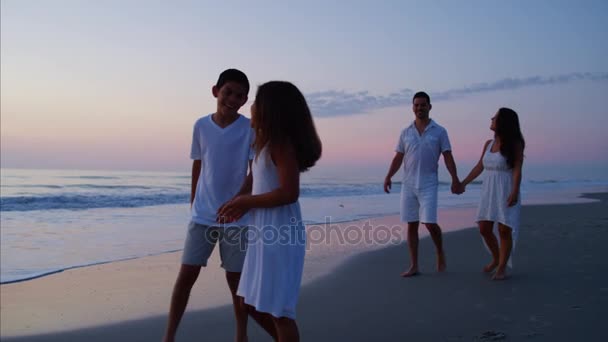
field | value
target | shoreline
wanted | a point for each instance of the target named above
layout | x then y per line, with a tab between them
569	197
55	304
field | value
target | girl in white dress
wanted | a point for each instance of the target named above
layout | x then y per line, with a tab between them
286	144
502	160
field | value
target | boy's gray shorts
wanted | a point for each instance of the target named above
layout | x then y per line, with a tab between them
201	240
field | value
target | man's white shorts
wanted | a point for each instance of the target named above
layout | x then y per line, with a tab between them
419	204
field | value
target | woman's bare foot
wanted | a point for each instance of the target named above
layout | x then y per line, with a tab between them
441	264
413	271
500	274
490	267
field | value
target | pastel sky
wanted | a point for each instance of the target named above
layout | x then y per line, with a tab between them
119	84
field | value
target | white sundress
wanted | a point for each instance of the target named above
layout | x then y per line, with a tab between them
495	190
272	271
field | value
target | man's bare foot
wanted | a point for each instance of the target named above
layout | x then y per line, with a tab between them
441	265
500	274
490	267
413	271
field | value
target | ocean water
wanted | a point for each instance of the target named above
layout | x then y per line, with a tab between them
52	220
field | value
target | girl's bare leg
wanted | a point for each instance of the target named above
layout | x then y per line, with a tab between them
265	320
506	244
486	231
287	329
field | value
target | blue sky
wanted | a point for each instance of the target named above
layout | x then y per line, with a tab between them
118	84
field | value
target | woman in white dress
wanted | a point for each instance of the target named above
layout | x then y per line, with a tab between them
286	144
500	203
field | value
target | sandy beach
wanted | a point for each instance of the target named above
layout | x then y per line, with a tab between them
558	290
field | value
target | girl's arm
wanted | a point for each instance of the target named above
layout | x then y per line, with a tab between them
519	160
477	169
245	189
287	192
247	184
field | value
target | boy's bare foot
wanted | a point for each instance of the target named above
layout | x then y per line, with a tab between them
500	274
441	265
413	271
490	267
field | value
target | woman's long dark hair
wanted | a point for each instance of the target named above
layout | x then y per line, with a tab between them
282	116
509	132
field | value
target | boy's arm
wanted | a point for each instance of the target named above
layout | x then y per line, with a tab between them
395	165
196	156
247	184
196	171
245	190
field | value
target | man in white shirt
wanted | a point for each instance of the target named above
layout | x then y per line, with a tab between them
419	148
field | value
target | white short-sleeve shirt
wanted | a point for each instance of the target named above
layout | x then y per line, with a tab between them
224	154
421	154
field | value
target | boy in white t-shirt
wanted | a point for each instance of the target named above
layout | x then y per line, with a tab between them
221	153
418	149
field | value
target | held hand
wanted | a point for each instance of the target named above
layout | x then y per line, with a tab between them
387	185
457	188
512	200
232	210
463	188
